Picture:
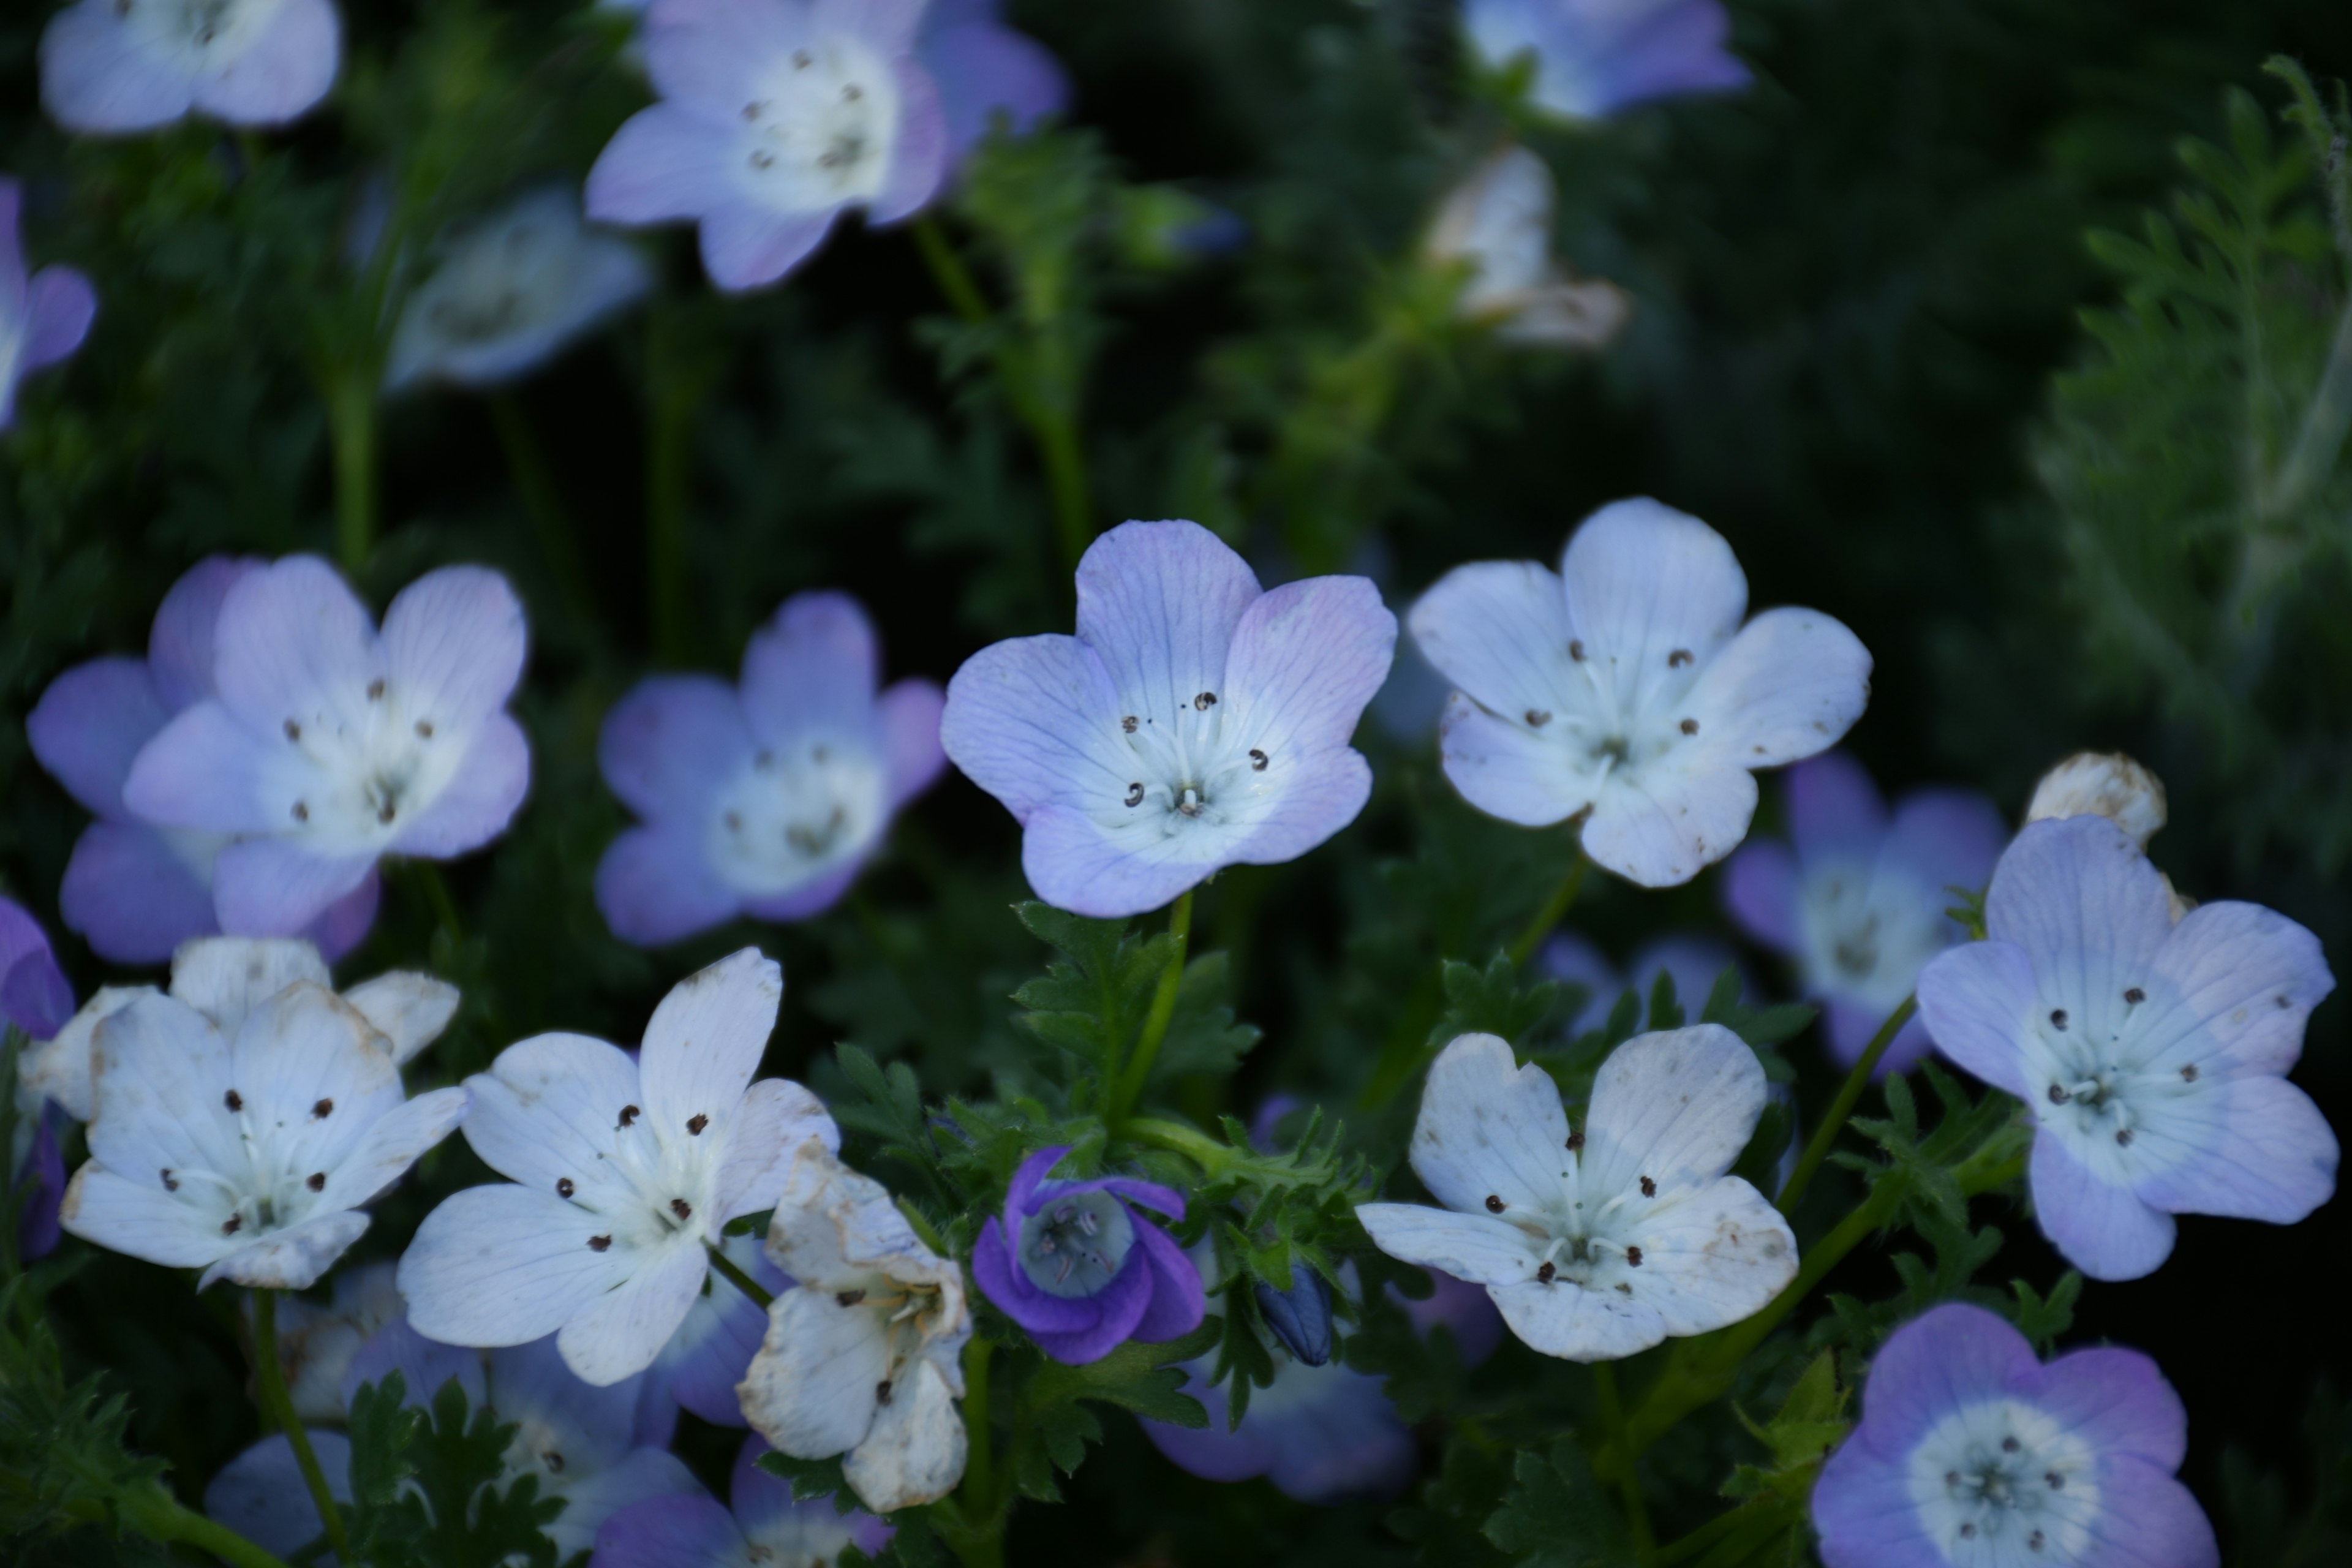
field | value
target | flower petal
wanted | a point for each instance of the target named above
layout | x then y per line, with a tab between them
1835	812
91	723
131	897
1643	584
1792	683
1489	1129
1474	1247
59	305
313	1078
425	1365
746	247
636	1478
908	714
654	887
158	1073
1304	660
1947	1358
810	1388
705	1041
453	645
620	1333
502	1264
1508	771
227	977
1764	892
204	769
813	669
1500	631
1073	864
276	886
920	151
2115	1401
2241	983
97	76
140	1219
293	1258
406	1009
775	1118
477	803
396	1141
293	642
1571	1321
1713	1257
547	1111
1978	1000
2257	1149
1178	1301
983	68
1865	1515
1160	603
669	1532
2108	1232
665	163
180	645
1676	1107
2079	897
914	1451
1660	826
285	70
1031	720
261	1493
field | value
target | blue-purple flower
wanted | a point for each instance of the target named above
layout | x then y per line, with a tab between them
322	745
1693	963
1593	58
1972	1452
1195	722
2150	1053
134	890
761	1523
1624	690
116	66
1074	1265
775	118
43	317
764	798
35	999
1858	898
984	68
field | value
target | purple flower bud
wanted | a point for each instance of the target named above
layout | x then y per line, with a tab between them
1300	1317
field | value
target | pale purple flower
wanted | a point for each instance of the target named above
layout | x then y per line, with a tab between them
765	798
115	65
2151	1054
43	317
1625	688
1972	1452
775	118
1693	963
625	1172
324	744
981	67
1593	58
761	1523
1195	722
1858	898
1074	1265
134	890
35	999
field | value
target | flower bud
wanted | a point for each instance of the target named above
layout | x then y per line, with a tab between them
1300	1317
2102	783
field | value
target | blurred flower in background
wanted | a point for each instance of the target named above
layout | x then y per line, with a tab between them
1497	223
1592	57
44	316
108	66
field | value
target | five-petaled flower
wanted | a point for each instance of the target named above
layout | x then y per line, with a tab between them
43	317
760	1522
1078	1268
1624	690
1498	223
506	292
776	117
1195	722
116	66
768	798
864	1358
1593	58
1600	1242
624	1173
137	891
325	744
1860	900
2150	1053
1972	1452
247	1152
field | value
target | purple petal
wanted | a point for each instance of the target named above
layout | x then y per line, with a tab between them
1946	838
90	725
1178	1300
293	641
453	644
262	1495
1762	891
43	1182
2244	981
2258	1149
1305	658
747	248
2147	1516
1693	963
423	1366
283	72
908	714
702	1377
654	887
1327	794
1865	1512
2107	1232
474	806
592	1425
1852	1024
1978	1001
1073	865
813	669
1674	47
670	1532
1944	1360
130	896
1000	1278
2078	895
95	77
1020	1194
715	54
1348	1444
671	741
204	770
275	886
1159	1200
1212	1452
1464	1309
1835	811
920	155
32	991
1160	603
59	307
810	897
663	164
1030	720
1118	1311
180	645
345	924
2116	1402
981	67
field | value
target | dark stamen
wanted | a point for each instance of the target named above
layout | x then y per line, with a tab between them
1633	1257
600	1244
848	1298
1544	1275
1494	1203
682	1208
316	1180
1206	700
1679	658
1257	761
696	1123
322	1108
629	1114
564	1187
233	1101
1649	1188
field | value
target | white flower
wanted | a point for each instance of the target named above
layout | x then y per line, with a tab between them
1499	221
627	1171
227	977
247	1155
1596	1245
1624	686
864	1358
116	66
511	290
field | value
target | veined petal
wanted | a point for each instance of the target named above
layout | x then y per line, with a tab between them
815	666
454	642
620	1333
1500	631
1568	1321
479	800
1159	603
1644	584
914	1451
1031	720
1320	797
666	1532
279	887
313	1077
776	1117
1713	1257
292	1258
394	1142
547	1111
2108	1232
1474	1247
705	1041
293	642
502	1264
181	642
1979	1000
1305	658
91	723
1507	769
62	1066
1948	1357
1073	864
1676	1107
1660	826
408	1008
1489	1128
637	1476
810	1388
2079	897
2242	981
97	77
159	1074
2115	1400
205	769
2261	1151
227	977
1791	684
141	1219
287	68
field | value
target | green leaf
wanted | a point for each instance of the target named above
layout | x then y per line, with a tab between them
1052	1426
811	1479
1557	1516
2044	1320
1491	1001
1201	1035
476	1523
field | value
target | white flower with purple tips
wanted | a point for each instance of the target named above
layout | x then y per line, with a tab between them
1624	690
865	1358
1195	722
2150	1053
767	798
133	890
325	744
1593	58
1858	898
116	66
1074	1265
776	117
1972	1452
1597	1243
43	317
624	1173
248	1151
759	1524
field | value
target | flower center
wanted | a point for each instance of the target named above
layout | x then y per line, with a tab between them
1869	935
1190	769
2002	1484
209	30
1075	1244
377	761
822	131
794	814
2104	1081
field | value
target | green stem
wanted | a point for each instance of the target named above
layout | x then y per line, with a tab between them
534	483
922	1227
1408	1040
1066	483
980	1461
153	1513
676	393
1637	1511
269	1382
725	1267
1127	1083
436	895
351	427
954	279
1554	910
2321	438
1195	1145
1816	1148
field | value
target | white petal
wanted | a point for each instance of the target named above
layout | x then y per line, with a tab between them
1792	683
502	1264
548	1110
1509	770
313	1076
292	1258
1566	1319
394	1142
833	1224
1490	1128
706	1039
588	1503
60	1068
141	1219
1662	823
811	1389
619	1333
1474	1247
776	1117
160	1075
1650	590
1677	1107
1500	631
225	977
914	1452
1712	1258
406	1009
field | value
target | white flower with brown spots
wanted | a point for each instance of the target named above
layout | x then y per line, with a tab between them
245	1151
625	1173
1596	1243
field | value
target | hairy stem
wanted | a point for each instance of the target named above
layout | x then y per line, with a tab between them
725	1267
1629	1484
1126	1086
269	1383
2325	424
1816	1148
